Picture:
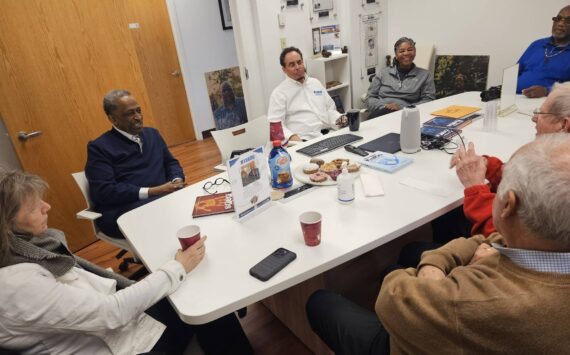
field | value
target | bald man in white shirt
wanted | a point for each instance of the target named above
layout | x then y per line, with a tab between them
301	103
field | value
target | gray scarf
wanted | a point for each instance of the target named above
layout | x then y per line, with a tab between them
47	250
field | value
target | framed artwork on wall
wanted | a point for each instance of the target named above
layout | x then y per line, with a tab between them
455	74
225	14
226	97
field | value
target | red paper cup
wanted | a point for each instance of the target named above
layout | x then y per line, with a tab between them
311	227
188	235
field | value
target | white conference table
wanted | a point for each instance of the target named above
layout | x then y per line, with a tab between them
221	283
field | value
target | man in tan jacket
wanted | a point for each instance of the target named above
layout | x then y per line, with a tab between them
504	295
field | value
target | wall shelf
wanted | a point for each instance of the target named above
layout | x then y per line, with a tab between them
334	68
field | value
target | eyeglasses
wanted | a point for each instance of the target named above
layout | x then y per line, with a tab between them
209	185
537	112
565	19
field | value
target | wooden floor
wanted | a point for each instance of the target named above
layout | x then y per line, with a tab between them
266	333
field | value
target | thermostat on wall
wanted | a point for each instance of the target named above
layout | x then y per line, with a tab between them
322	5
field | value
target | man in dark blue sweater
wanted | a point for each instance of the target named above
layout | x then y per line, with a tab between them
129	165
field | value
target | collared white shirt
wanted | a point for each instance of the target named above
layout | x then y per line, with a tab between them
143	192
541	261
303	108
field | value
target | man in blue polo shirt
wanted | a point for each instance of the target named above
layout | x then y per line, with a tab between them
546	60
129	165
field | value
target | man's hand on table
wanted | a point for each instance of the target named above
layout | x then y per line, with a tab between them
342	121
166	188
535	91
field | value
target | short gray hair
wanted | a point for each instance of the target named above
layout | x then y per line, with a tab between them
561	100
110	98
539	175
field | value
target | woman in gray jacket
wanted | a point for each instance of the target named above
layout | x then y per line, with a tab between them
400	85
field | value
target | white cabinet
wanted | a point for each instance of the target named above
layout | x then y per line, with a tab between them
335	68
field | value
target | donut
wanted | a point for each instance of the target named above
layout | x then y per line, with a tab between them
352	168
328	167
310	168
318	177
338	162
317	161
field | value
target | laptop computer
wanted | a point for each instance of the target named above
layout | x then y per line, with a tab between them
389	143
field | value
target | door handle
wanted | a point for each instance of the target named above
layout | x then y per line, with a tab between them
24	136
175	73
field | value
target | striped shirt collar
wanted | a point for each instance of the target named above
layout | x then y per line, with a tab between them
541	261
137	139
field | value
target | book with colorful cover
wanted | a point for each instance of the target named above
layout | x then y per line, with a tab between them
386	161
456	111
430	132
208	205
455	123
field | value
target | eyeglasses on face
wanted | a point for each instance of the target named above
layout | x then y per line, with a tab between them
537	112
209	185
564	19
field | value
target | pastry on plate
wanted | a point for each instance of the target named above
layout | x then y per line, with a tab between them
310	168
317	161
318	177
352	168
338	162
331	170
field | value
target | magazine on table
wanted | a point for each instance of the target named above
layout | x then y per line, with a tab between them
386	161
447	122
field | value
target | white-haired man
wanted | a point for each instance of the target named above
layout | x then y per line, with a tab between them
503	295
472	169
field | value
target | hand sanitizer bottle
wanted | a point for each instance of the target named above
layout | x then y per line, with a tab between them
345	184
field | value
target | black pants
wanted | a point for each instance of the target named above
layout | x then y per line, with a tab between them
107	223
221	336
451	225
346	327
350	329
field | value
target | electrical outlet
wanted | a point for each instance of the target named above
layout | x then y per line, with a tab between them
283	41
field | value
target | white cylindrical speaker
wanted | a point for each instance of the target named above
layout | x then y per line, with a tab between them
410	133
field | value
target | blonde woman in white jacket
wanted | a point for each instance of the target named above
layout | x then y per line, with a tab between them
52	302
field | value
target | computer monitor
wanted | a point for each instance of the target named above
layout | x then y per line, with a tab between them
509	90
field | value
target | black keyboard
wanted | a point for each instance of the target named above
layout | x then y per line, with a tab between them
328	144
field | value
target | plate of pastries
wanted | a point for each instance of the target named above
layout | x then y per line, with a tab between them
320	172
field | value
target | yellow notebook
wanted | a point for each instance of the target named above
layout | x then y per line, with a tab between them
456	111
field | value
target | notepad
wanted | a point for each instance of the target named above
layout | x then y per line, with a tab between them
456	111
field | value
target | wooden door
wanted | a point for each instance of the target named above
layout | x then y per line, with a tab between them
57	60
150	28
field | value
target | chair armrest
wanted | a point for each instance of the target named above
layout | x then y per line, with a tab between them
90	215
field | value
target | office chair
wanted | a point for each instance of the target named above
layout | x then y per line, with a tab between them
251	134
83	184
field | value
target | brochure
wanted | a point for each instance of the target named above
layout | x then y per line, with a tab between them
386	161
248	175
208	205
456	111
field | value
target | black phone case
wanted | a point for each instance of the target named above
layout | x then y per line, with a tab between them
266	268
